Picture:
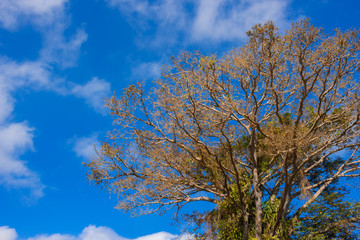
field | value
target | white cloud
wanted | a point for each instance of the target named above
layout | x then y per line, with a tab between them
15	139
216	20
36	6
97	233
93	92
12	12
7	233
92	233
89	233
203	20
84	147
17	74
158	236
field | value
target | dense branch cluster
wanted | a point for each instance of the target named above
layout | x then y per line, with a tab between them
268	124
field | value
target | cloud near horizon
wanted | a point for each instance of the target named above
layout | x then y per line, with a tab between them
92	233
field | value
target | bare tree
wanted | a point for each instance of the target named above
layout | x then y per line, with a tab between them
249	128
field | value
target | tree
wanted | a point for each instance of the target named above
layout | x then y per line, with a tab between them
262	132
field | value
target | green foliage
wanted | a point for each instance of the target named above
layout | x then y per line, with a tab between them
228	216
330	217
227	219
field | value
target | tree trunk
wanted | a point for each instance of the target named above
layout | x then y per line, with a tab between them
258	195
246	226
257	191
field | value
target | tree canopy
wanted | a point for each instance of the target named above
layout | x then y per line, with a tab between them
266	132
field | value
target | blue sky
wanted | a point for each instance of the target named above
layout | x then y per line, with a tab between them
60	58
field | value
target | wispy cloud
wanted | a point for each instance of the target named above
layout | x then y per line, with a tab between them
93	233
6	102
203	21
16	12
168	12
61	50
14	75
84	147
147	70
171	18
219	20
93	92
